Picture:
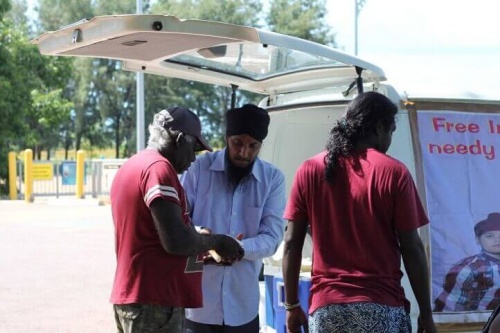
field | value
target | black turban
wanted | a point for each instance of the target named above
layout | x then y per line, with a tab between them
250	120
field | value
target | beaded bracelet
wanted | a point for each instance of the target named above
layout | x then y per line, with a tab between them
291	306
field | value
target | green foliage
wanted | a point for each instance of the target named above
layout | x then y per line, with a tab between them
116	97
104	96
28	83
17	13
49	112
243	12
4	7
14	91
301	18
54	14
14	76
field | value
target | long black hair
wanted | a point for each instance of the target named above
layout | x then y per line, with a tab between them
361	118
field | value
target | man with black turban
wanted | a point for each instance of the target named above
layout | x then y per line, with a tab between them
232	191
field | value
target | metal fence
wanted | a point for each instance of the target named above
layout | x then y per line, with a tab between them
98	176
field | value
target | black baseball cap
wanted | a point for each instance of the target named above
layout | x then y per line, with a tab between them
183	120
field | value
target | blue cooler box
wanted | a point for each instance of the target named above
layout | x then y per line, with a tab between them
278	299
270	315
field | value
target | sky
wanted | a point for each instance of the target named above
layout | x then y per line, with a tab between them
427	48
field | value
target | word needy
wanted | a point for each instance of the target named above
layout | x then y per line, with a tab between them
441	124
474	149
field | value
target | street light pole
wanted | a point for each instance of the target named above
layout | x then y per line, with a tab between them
140	127
358	5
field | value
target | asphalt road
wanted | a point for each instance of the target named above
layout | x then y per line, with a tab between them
56	266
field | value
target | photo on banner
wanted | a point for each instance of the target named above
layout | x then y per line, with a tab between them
461	164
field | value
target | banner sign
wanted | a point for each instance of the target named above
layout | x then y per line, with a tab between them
43	171
68	173
461	163
109	170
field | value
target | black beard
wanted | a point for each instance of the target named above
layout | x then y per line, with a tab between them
236	173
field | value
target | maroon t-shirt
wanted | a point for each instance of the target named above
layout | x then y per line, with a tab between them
145	273
356	255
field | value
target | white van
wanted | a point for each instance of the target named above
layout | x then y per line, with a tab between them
307	84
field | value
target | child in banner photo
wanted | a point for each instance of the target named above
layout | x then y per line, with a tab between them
474	282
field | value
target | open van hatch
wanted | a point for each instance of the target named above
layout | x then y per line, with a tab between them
210	52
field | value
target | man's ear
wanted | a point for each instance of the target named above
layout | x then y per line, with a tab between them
180	139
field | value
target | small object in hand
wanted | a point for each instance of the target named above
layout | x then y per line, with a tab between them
211	260
215	255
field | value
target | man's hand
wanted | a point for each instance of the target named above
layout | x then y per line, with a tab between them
295	320
228	248
214	258
426	324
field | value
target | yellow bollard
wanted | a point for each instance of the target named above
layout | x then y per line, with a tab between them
12	176
28	175
80	173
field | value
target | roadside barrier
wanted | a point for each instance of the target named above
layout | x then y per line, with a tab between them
82	178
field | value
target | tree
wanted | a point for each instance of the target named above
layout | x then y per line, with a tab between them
44	79
49	114
16	14
104	95
13	90
22	70
116	101
4	7
54	14
301	18
243	12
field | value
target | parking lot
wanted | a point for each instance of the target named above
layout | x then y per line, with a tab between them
56	266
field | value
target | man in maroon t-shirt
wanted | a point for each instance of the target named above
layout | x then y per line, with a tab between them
158	251
363	210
